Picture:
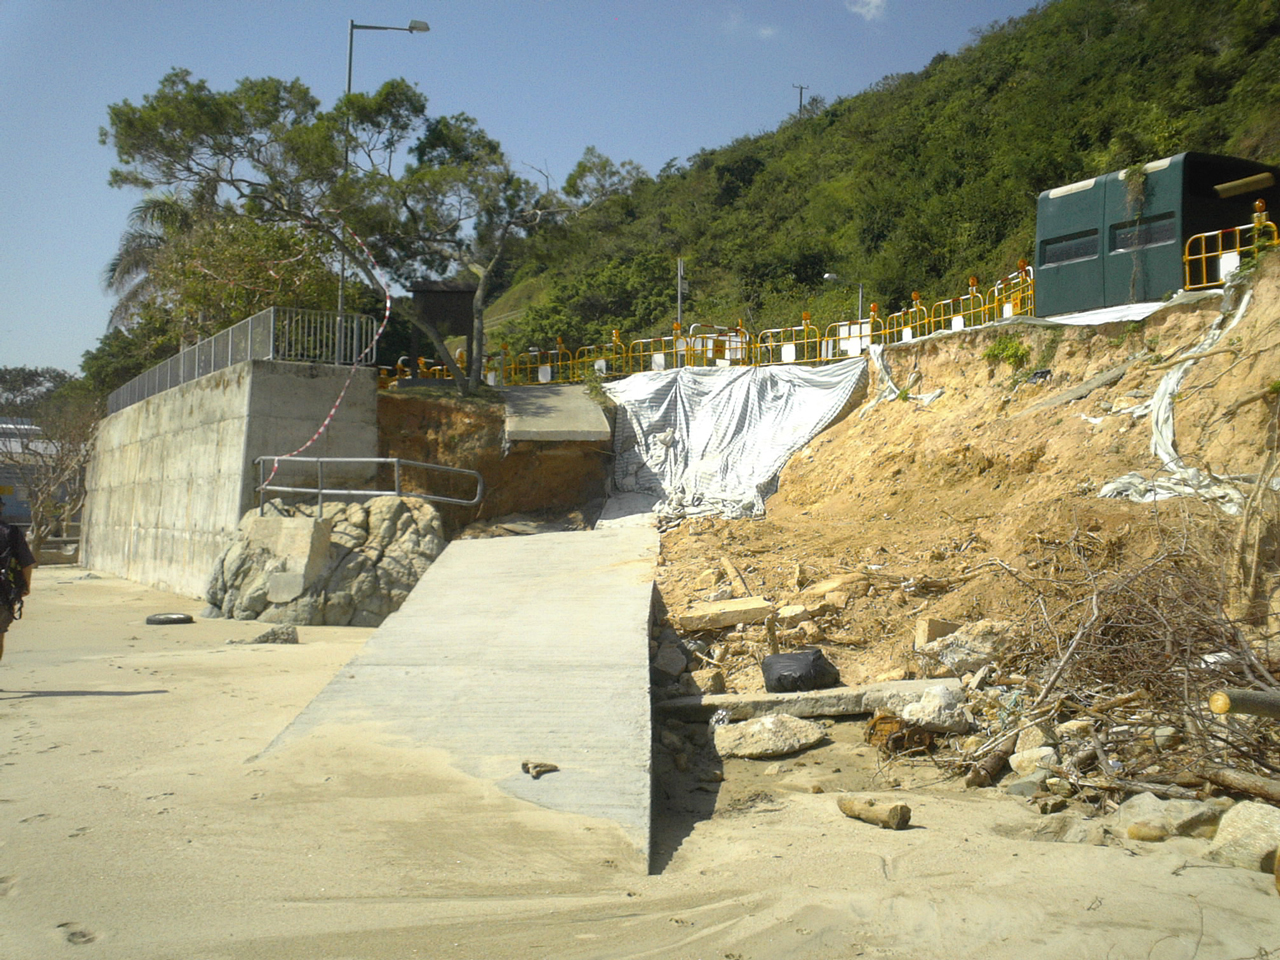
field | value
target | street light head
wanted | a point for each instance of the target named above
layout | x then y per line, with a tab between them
830	276
418	26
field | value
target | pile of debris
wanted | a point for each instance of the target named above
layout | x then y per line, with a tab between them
1098	699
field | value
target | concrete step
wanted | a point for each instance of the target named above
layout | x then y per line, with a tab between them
521	649
555	412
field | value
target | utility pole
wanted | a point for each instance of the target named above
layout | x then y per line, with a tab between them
682	287
800	109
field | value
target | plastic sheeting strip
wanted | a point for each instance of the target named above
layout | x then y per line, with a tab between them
708	440
1182	481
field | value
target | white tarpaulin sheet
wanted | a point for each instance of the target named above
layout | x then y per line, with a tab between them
1180	479
1124	313
712	440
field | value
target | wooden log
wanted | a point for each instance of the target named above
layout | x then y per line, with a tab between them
893	816
1264	788
987	770
1258	703
1168	790
737	582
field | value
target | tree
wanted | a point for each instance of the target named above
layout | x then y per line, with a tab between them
273	155
23	389
213	272
155	223
51	459
596	177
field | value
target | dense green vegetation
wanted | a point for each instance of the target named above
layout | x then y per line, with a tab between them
913	184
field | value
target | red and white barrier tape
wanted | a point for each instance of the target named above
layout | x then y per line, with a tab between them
386	317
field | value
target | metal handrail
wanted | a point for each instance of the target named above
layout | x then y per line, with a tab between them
276	333
319	489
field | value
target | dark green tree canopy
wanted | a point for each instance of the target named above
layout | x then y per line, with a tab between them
269	151
925	178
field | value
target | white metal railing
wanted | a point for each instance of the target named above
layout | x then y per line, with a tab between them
320	490
277	333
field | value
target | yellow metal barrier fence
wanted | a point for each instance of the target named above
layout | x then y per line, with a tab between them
960	313
1014	296
711	346
905	325
802	344
1211	257
704	345
611	360
540	366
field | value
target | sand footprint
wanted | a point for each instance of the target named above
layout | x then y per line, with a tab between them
6	884
77	934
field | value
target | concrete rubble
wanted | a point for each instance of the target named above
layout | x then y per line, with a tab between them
954	650
772	736
1247	837
284	634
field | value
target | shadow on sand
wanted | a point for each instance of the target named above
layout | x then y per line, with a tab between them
681	797
33	694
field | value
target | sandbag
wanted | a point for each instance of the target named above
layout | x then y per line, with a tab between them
801	670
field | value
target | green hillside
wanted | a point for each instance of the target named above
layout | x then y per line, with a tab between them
913	184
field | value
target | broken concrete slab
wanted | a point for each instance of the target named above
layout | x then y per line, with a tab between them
724	613
772	736
792	614
929	629
1105	379
831	702
554	412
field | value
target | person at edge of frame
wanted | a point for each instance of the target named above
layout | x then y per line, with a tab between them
13	546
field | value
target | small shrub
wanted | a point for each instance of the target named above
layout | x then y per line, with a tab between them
1008	348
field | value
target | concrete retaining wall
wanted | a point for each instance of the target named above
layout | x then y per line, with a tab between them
172	476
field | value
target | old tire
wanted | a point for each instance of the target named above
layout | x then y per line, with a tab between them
163	619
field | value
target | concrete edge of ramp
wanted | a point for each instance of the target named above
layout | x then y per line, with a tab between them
520	649
550	412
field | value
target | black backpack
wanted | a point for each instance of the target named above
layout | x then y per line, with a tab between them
10	573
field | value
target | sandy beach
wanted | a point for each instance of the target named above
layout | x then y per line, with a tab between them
145	813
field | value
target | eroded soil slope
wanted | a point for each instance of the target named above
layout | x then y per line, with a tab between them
952	509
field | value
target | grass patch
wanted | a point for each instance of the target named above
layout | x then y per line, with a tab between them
1044	360
1008	348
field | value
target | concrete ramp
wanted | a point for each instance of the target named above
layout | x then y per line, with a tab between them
555	412
521	649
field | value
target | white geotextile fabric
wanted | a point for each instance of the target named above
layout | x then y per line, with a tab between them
712	440
888	389
1124	313
1179	480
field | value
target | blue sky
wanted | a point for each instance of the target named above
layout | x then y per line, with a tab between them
642	80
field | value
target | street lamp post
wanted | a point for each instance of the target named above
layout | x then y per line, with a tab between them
835	278
415	26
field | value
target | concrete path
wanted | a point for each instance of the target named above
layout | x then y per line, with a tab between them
521	649
554	411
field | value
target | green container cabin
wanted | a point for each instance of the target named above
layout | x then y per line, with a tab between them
1102	243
